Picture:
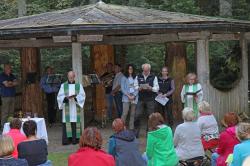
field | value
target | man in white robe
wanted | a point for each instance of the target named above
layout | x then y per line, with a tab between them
71	98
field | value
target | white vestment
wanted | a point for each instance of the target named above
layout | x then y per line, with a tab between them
72	103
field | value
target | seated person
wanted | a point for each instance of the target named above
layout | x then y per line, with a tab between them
208	126
6	151
187	137
227	140
160	147
34	150
90	152
124	146
15	134
242	150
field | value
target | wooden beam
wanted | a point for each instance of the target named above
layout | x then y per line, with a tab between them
39	43
77	68
90	38
244	68
223	37
193	35
203	66
62	39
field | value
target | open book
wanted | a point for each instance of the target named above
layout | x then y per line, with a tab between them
193	93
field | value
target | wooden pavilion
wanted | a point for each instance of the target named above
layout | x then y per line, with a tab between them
103	26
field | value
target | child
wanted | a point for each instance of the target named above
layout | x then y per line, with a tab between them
191	93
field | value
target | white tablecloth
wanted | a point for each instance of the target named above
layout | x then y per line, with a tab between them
41	128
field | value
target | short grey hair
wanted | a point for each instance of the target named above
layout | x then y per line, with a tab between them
146	64
188	114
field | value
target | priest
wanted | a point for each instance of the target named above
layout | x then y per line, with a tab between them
71	98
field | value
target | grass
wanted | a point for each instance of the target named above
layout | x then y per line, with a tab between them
59	159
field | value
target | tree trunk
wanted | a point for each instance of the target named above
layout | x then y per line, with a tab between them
100	56
176	61
22	11
226	7
30	71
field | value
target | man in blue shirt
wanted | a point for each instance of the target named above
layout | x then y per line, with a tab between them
8	82
50	90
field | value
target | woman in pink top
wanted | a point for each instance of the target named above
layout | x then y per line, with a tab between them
15	134
227	140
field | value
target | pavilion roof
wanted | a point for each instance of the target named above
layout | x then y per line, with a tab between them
113	19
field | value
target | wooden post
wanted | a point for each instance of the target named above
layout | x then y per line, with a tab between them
77	67
244	94
31	91
203	66
176	61
100	56
22	11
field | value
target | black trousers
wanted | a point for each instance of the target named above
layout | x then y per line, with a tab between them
65	140
149	107
166	112
51	110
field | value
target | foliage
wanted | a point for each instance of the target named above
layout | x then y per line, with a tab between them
225	67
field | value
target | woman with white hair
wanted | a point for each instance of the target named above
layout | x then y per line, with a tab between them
187	137
208	126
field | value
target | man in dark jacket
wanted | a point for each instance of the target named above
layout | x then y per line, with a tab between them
124	146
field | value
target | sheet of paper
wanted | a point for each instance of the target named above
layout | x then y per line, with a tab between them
144	86
162	100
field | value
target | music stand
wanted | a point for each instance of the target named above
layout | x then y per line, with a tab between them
94	80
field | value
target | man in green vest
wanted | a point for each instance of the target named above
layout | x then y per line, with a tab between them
71	98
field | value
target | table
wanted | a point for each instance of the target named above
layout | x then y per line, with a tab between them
41	128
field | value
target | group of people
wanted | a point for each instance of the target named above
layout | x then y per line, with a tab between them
18	149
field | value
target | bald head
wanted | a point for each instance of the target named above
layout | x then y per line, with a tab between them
71	76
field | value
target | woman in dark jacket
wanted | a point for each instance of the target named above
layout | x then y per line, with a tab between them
124	146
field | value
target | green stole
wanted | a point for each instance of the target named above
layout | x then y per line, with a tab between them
195	106
67	114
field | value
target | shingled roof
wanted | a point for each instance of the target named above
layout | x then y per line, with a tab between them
114	19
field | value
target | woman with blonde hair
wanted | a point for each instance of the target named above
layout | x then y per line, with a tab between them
6	150
242	150
208	126
191	94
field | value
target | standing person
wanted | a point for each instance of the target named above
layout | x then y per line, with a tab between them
130	95
90	153
116	90
191	94
160	147
147	84
71	98
15	134
124	146
50	90
107	79
166	89
8	82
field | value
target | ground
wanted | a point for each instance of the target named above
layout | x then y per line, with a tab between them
58	154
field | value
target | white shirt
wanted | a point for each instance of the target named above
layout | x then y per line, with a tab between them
155	87
190	97
208	125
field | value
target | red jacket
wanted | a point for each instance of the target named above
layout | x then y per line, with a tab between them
17	137
226	144
89	157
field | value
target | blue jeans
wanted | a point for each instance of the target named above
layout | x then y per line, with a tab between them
118	103
109	101
47	163
214	159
